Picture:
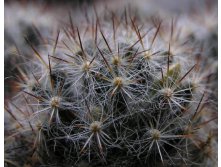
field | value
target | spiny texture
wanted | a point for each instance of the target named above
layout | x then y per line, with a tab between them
114	91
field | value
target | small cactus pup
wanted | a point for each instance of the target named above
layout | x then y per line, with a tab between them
112	93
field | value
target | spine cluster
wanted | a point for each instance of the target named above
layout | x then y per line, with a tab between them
116	91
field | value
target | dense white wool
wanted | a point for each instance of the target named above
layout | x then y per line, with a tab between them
119	85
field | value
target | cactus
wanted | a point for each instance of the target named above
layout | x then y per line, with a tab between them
114	91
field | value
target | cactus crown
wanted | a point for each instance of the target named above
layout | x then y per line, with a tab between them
113	93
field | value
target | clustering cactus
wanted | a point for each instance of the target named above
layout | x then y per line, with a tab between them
114	91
